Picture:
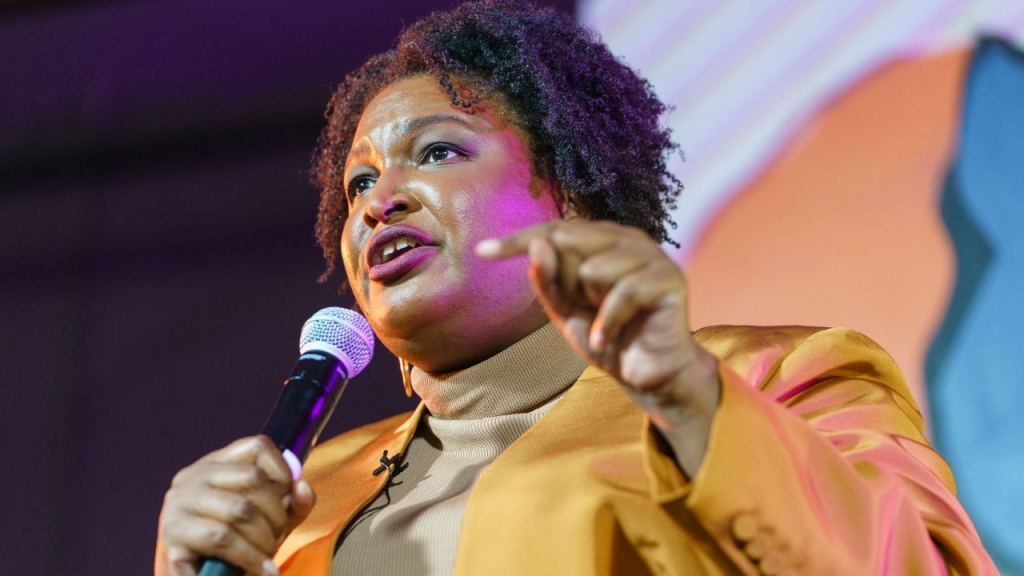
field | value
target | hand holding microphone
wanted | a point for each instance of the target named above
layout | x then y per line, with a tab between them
238	503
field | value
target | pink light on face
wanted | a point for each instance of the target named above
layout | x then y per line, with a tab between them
456	177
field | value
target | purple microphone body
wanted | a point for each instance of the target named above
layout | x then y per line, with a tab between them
335	345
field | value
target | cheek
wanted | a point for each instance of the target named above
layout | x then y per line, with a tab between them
346	248
519	211
499	208
349	253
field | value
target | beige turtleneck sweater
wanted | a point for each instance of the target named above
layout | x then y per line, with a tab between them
472	416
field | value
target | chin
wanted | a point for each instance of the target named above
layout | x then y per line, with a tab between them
407	313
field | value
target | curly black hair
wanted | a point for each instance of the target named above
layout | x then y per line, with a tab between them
592	123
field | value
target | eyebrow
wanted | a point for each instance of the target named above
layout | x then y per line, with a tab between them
415	125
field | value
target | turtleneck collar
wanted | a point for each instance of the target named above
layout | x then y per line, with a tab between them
520	378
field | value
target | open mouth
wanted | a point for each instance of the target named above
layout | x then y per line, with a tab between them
393	250
397	250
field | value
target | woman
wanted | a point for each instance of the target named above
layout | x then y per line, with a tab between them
495	187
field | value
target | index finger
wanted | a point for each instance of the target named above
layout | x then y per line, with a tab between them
257	450
514	244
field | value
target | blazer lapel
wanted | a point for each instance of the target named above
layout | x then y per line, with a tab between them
341	473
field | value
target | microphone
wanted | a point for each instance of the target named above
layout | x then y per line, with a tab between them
335	345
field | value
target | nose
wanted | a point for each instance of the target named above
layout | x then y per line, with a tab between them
389	199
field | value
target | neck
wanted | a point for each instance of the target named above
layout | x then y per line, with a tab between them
518	379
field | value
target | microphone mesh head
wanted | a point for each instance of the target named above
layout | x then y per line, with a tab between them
342	329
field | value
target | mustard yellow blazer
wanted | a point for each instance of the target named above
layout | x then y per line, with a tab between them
816	464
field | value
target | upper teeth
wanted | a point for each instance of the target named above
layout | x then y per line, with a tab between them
400	244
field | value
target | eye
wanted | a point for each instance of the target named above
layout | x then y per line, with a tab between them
440	152
358	186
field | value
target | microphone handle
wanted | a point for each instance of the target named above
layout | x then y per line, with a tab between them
306	402
218	567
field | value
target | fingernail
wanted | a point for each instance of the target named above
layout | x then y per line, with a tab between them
307	490
269	569
596	340
489	247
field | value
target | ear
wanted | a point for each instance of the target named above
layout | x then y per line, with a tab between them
569	207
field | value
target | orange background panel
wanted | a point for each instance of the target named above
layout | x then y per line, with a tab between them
843	229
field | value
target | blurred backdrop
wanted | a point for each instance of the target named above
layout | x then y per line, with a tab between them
857	164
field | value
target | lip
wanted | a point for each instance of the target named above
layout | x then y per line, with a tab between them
380	271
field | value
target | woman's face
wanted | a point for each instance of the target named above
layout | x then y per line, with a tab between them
426	182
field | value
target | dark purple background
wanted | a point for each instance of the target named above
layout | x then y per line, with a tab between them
156	251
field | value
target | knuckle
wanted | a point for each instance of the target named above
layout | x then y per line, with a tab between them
250	446
172	506
220	537
588	270
253	477
182	477
168	531
243	448
178	554
560	234
262	442
243	510
628	289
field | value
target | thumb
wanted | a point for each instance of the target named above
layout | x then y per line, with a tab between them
303	499
300	503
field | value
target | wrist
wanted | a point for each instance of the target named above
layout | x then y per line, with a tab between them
683	408
692	389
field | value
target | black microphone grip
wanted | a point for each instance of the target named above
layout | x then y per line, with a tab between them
306	402
217	567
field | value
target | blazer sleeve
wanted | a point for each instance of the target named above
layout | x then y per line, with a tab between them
817	463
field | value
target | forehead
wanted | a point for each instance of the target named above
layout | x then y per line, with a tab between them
402	106
405	99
